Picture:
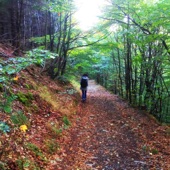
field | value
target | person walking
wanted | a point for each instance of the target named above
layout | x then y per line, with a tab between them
83	86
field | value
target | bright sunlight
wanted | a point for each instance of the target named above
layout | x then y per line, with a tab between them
88	12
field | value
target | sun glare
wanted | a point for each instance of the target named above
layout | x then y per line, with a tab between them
88	12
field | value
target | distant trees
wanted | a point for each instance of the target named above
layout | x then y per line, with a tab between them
141	53
46	24
21	20
134	60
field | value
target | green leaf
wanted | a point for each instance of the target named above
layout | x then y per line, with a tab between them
2	79
7	109
4	127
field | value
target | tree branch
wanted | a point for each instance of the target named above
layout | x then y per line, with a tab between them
85	45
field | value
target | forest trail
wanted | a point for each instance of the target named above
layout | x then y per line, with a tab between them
110	135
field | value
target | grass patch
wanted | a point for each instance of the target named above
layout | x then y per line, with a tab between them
36	151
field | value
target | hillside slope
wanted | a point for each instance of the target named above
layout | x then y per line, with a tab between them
49	107
65	134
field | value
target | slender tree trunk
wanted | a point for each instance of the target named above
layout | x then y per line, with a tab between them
120	73
46	28
128	68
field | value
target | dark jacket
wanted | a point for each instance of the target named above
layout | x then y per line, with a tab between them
86	78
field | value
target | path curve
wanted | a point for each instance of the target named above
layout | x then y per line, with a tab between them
108	135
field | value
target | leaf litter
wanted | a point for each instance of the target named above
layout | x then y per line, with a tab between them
104	133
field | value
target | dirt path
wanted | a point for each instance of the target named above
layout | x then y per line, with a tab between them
108	134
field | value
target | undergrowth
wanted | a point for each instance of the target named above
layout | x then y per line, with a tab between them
36	151
25	98
19	118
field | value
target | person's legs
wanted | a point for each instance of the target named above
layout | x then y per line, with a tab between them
85	91
84	94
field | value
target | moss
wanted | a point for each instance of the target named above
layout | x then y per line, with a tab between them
25	98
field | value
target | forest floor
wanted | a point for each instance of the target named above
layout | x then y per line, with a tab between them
104	133
111	135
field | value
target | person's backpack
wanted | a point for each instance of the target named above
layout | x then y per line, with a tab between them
83	83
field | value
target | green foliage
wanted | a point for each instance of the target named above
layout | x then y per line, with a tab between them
1	88
25	163
6	105
4	127
63	80
81	61
22	163
19	119
29	86
40	40
66	121
154	151
25	98
15	65
36	150
3	79
39	56
133	61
